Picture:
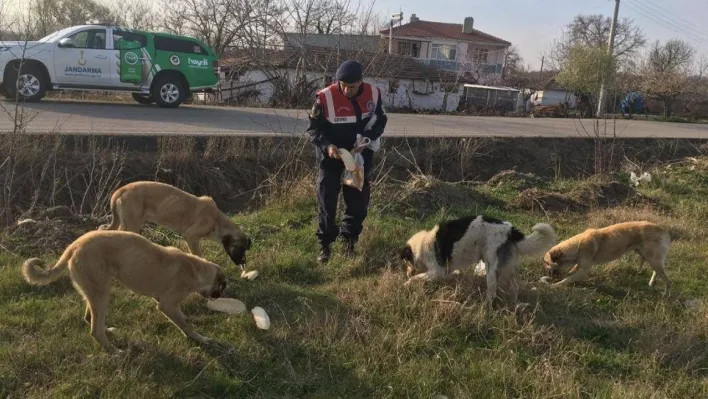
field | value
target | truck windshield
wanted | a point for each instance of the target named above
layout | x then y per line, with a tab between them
54	34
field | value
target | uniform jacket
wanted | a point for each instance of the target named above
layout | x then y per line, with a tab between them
337	119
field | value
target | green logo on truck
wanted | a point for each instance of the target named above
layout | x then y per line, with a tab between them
131	58
203	63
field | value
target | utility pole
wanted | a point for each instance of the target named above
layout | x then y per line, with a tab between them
610	45
394	17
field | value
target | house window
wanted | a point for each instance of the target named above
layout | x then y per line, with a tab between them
408	49
443	52
404	48
480	55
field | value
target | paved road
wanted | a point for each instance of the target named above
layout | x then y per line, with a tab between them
112	118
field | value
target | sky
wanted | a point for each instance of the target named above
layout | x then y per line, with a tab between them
533	25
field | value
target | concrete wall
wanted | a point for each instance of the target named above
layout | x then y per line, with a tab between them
430	96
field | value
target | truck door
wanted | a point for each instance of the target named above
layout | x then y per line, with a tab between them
132	60
82	60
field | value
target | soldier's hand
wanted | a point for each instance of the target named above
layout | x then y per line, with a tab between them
333	151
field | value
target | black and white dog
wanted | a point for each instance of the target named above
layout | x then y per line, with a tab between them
460	243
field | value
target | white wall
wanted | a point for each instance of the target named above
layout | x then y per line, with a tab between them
405	96
431	101
249	77
552	97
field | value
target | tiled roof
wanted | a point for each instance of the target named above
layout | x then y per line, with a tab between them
353	42
327	60
429	29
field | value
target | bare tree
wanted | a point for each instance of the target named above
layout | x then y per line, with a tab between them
668	71
221	23
43	14
47	16
594	31
368	22
332	17
135	14
77	12
698	94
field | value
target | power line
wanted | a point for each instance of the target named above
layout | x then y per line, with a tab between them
665	24
673	21
660	20
676	16
670	25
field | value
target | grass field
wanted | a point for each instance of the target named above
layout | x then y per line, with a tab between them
350	329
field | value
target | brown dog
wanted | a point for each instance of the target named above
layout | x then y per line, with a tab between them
194	218
164	273
599	246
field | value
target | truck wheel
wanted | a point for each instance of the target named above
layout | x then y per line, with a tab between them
169	92
142	98
29	86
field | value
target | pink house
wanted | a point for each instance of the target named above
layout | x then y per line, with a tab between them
451	47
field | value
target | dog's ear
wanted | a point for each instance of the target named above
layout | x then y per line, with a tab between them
226	241
407	253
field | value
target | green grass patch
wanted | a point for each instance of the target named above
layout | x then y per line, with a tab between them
350	329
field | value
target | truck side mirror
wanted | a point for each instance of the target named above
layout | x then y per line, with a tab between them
66	43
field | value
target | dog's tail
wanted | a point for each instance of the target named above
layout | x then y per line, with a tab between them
115	218
538	242
34	272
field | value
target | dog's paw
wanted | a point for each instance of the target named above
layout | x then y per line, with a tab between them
545	280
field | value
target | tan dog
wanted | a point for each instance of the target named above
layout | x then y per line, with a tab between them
194	218
164	273
599	246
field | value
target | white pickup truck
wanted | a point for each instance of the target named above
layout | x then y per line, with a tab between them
154	67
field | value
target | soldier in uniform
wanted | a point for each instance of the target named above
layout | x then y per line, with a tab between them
338	119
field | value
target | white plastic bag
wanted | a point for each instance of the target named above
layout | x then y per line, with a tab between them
355	178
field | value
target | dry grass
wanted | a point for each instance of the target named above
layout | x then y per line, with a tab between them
350	329
422	196
242	173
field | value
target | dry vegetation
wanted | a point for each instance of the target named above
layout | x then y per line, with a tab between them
349	329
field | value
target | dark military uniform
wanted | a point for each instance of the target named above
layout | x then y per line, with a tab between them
336	119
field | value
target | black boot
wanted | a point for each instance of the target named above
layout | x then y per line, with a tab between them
324	254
